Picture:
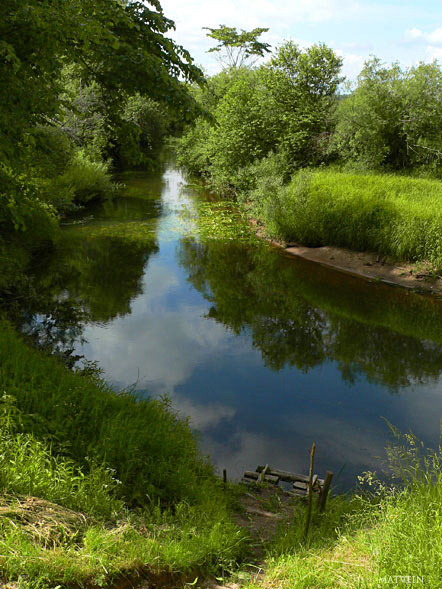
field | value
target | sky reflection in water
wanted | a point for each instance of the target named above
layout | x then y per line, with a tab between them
267	354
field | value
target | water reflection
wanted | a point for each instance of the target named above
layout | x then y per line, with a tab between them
266	354
301	315
96	269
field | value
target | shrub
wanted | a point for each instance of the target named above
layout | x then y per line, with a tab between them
83	180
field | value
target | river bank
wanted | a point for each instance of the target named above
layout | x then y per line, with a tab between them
370	266
290	352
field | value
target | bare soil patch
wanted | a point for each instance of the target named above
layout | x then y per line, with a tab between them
370	266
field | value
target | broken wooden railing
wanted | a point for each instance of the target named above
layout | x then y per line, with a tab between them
300	482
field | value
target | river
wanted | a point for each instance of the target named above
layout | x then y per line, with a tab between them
265	353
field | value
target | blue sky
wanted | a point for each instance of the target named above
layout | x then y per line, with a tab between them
407	31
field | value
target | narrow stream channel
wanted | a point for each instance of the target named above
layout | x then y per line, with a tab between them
264	353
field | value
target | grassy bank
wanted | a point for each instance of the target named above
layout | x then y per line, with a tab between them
126	486
68	520
390	536
393	215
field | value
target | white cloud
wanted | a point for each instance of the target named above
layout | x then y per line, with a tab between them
283	18
352	64
202	417
433	52
416	35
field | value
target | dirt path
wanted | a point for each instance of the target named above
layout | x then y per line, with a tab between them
262	511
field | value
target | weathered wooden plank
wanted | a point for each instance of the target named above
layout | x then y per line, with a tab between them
299	485
251	475
285	475
310	491
298	493
270	478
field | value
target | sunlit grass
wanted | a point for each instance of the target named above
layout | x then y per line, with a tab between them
393	215
96	483
372	538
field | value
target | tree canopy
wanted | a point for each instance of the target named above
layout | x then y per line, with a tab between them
237	49
122	46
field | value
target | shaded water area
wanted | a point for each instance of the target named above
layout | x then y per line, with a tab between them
265	353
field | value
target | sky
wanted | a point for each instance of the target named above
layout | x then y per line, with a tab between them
407	31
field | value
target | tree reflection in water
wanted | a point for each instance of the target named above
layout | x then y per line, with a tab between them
300	314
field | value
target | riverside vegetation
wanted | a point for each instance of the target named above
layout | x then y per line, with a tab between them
303	158
96	484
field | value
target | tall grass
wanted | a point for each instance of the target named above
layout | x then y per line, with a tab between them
128	490
393	215
388	535
152	450
28	467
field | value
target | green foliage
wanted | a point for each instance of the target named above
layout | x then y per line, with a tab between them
393	118
217	220
303	84
172	547
119	45
285	107
152	450
27	467
65	438
248	127
83	180
22	208
144	125
387	536
236	49
392	215
81	85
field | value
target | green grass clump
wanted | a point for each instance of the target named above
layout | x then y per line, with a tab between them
28	467
152	450
370	539
392	215
95	484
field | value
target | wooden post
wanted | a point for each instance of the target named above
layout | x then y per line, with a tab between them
324	491
224	476
310	491
263	473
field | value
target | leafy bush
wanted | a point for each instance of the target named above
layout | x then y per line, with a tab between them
83	180
23	208
393	118
143	127
286	107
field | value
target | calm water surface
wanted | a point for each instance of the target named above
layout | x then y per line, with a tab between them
265	353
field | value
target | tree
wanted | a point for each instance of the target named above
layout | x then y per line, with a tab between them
117	48
303	84
238	49
121	46
393	119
